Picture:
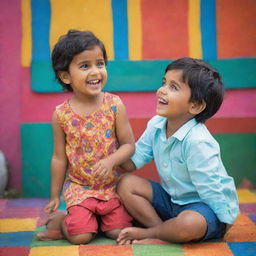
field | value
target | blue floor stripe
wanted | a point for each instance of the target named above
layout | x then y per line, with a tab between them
41	15
120	23
208	29
243	248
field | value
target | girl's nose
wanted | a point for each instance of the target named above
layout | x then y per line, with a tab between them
94	70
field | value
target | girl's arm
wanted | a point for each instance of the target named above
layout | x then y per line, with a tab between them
126	145
58	166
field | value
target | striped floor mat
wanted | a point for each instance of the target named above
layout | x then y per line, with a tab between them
21	218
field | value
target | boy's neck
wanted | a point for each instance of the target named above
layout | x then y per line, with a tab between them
174	125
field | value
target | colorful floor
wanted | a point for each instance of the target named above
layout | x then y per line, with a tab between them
21	218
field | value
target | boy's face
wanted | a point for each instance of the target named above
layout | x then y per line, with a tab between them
173	97
87	73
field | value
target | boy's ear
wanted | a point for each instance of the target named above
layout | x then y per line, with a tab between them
196	107
64	77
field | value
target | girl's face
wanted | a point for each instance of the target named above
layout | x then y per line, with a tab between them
173	97
87	73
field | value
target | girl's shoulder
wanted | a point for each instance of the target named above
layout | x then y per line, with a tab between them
112	98
63	106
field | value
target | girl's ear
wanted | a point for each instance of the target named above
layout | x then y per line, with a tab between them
64	77
196	107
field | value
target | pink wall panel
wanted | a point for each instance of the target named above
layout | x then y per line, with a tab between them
10	84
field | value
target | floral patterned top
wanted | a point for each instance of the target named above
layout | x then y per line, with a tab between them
89	139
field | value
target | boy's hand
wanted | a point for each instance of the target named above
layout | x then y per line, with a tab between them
52	206
102	169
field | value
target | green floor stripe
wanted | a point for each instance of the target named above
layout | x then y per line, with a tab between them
158	250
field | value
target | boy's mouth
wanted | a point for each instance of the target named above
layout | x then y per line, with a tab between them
162	101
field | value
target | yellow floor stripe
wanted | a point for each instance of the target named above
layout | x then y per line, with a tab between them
17	225
245	196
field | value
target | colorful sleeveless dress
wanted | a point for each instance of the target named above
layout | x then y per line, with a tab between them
89	139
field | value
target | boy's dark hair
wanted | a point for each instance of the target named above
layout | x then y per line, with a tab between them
69	45
204	82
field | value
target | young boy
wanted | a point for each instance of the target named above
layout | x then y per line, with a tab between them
196	199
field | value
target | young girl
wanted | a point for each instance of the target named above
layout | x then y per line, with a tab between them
92	136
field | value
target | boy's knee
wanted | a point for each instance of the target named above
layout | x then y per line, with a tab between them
192	227
80	239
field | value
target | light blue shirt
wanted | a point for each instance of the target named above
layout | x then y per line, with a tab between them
189	166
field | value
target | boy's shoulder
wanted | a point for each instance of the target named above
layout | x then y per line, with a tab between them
200	133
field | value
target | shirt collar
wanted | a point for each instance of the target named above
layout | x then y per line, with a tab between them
181	132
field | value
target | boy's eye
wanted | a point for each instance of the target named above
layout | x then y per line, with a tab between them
173	87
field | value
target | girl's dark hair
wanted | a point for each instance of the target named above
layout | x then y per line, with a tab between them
204	82
69	45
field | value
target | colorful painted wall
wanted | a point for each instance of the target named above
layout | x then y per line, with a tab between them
141	37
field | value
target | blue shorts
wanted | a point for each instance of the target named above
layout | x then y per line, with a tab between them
166	209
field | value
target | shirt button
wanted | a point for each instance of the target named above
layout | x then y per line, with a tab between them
165	164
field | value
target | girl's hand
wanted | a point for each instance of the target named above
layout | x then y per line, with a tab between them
52	206
102	169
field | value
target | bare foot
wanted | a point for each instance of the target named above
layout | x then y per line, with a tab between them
149	241
53	225
127	235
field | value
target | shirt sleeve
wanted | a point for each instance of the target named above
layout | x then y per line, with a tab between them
212	183
143	148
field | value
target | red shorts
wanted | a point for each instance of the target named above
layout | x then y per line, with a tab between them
82	218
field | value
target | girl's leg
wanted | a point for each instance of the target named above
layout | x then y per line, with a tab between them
84	238
136	194
53	226
187	226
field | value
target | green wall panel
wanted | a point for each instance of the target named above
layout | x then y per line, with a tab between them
36	148
147	75
238	154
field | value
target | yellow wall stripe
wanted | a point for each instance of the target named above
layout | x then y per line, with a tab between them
92	15
134	29
195	42
26	41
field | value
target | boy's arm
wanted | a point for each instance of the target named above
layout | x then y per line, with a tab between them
58	166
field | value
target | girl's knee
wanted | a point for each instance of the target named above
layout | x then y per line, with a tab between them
113	234
81	238
124	184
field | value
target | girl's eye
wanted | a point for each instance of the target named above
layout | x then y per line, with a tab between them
84	66
101	64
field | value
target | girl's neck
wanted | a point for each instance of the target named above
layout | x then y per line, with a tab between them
86	105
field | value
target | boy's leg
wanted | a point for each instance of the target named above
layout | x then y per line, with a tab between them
187	226
136	194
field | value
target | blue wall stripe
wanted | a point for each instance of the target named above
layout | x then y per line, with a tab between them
208	28
41	15
120	23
